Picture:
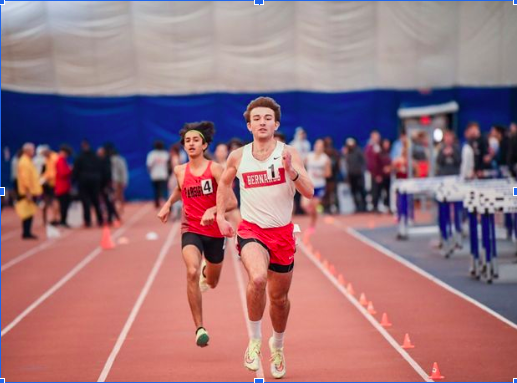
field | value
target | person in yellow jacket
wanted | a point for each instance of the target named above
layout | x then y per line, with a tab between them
28	188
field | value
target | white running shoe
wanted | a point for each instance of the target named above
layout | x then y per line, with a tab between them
252	355
203	285
277	360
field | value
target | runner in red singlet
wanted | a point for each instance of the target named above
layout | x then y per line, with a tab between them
197	187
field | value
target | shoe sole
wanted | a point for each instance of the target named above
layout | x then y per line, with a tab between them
202	341
251	368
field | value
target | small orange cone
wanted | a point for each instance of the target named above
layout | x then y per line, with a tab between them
435	374
332	269
341	280
362	300
106	241
317	254
371	309
325	264
350	289
385	322
407	342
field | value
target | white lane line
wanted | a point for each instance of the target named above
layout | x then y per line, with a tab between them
90	257
9	235
419	370
242	294
138	304
425	274
32	251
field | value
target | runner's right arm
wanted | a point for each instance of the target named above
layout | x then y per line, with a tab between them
224	190
165	211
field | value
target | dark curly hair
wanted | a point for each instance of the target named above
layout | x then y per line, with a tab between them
206	128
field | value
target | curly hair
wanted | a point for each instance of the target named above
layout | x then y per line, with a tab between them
206	128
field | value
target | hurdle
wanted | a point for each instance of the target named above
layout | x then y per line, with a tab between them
481	199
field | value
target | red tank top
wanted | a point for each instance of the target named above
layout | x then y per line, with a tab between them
198	195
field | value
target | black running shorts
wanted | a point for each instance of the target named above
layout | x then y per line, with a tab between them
212	248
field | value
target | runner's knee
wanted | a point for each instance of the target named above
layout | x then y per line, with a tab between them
192	274
279	300
259	281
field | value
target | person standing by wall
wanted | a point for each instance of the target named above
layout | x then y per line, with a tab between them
29	188
87	173
158	167
63	183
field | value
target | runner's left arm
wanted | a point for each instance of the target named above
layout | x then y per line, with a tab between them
295	170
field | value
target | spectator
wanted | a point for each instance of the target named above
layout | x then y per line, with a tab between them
221	154
468	158
386	171
157	165
374	166
301	143
107	194
29	188
449	156
330	201
356	165
398	145
400	164
48	179
119	177
279	136
479	145
88	173
63	183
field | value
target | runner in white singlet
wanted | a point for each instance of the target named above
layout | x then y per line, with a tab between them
269	173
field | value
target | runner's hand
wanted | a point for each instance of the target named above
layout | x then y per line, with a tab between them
288	163
208	218
163	214
226	228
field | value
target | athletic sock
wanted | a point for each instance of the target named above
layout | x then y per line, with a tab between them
256	329
278	339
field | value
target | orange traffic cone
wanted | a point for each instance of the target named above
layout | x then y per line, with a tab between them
341	280
332	269
362	300
407	342
350	289
371	309
106	241
325	264
317	254
385	322
435	374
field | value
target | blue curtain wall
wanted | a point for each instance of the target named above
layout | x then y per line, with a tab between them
133	123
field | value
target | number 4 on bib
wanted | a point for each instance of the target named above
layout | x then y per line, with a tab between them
206	185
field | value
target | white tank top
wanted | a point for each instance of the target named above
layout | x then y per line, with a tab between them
267	192
316	169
